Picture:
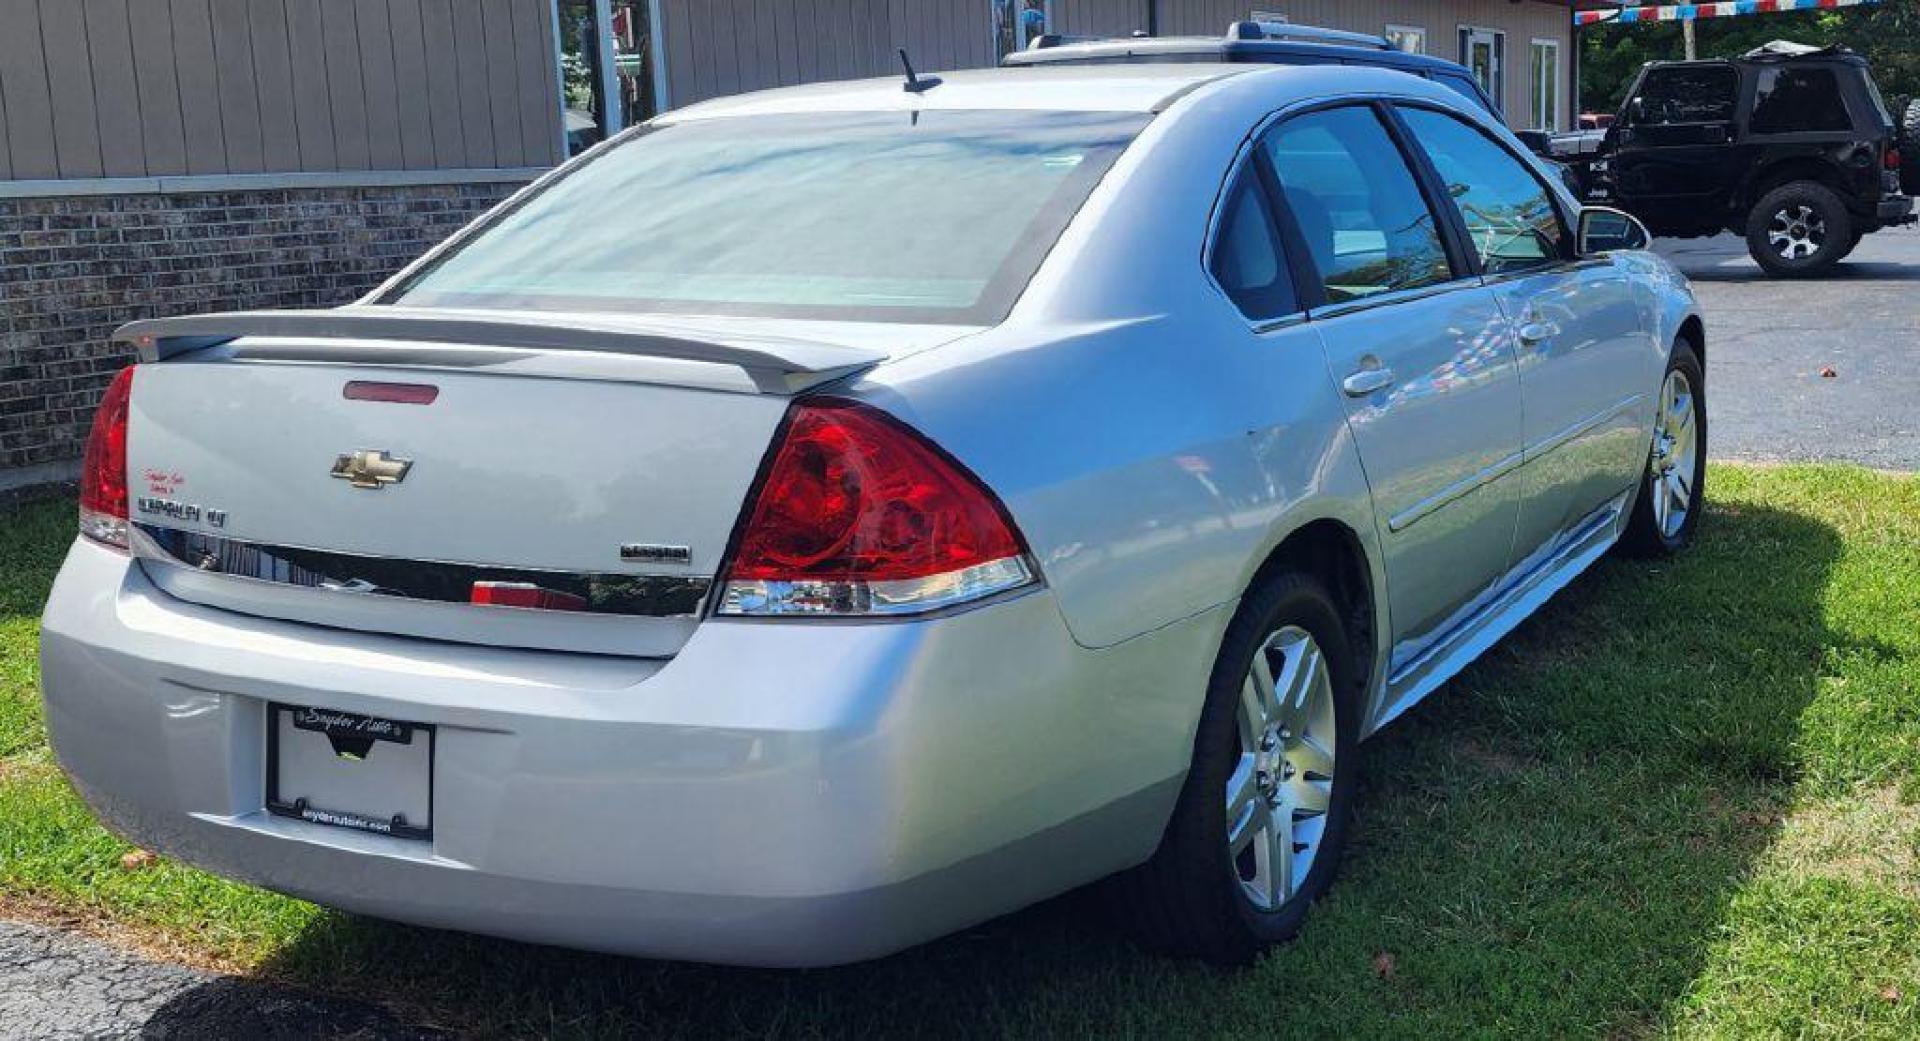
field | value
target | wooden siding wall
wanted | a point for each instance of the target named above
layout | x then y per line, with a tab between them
141	88
800	41
1523	22
1101	17
710	54
803	41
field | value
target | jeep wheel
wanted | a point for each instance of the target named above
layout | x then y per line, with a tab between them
1799	230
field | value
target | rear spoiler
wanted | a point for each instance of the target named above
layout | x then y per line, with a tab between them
775	364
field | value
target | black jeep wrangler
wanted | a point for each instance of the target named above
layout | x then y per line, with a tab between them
1787	145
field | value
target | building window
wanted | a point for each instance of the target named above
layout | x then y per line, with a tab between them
1409	38
1543	96
1016	23
1484	52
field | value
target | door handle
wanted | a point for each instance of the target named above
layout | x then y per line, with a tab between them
1366	381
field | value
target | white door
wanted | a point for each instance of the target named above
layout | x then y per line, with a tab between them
1480	51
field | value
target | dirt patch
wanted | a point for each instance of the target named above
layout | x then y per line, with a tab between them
1871	837
98	925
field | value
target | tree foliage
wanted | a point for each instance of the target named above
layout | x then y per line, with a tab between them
1887	34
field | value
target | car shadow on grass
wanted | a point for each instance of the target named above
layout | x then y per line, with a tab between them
1546	848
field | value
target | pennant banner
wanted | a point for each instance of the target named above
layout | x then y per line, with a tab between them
1684	12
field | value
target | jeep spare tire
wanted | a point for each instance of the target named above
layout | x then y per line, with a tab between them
1909	141
1799	230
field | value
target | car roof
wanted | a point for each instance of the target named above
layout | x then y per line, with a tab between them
1217	49
1084	88
1824	57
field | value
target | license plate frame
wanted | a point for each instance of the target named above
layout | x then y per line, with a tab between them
356	737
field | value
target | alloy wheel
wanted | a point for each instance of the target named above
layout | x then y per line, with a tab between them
1796	232
1281	786
1676	446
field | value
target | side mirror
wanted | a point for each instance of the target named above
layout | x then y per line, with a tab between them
1604	229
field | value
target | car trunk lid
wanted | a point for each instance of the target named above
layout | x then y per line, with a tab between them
562	484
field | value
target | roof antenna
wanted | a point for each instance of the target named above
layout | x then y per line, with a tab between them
916	84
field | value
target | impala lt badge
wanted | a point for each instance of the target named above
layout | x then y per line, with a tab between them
371	468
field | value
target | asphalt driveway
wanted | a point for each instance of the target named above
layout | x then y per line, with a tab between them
1769	340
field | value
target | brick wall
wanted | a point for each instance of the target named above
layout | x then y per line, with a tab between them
74	268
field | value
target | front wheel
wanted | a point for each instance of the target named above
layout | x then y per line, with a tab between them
1262	819
1799	230
1673	487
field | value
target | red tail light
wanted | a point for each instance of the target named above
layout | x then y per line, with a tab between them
858	514
1891	159
103	473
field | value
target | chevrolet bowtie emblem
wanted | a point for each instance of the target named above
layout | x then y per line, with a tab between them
369	468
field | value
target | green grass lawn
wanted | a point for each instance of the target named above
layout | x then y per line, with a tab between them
1682	800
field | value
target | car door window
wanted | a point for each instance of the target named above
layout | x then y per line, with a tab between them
1508	213
1683	96
1789	100
1357	204
1246	257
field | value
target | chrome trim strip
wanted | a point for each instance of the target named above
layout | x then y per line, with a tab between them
1397	296
1558	267
1576	551
1553	441
578	592
1276	324
1457	490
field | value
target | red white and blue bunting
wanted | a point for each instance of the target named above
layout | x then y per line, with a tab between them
1725	8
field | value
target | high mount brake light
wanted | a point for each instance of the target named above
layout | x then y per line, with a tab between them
103	473
859	515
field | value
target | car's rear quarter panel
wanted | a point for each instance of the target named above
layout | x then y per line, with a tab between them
1152	449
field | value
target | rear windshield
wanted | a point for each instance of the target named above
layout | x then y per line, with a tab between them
928	217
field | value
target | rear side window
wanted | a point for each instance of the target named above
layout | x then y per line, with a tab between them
1702	94
1357	204
1798	99
1509	214
1246	256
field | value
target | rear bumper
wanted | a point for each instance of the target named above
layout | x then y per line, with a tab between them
1895	209
776	794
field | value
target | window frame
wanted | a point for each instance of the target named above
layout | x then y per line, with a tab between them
1308	282
1456	224
1412	30
1534	88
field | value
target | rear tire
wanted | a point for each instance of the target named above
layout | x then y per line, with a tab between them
1799	230
1673	485
1219	887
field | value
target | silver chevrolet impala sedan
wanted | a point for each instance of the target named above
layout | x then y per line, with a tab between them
823	519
